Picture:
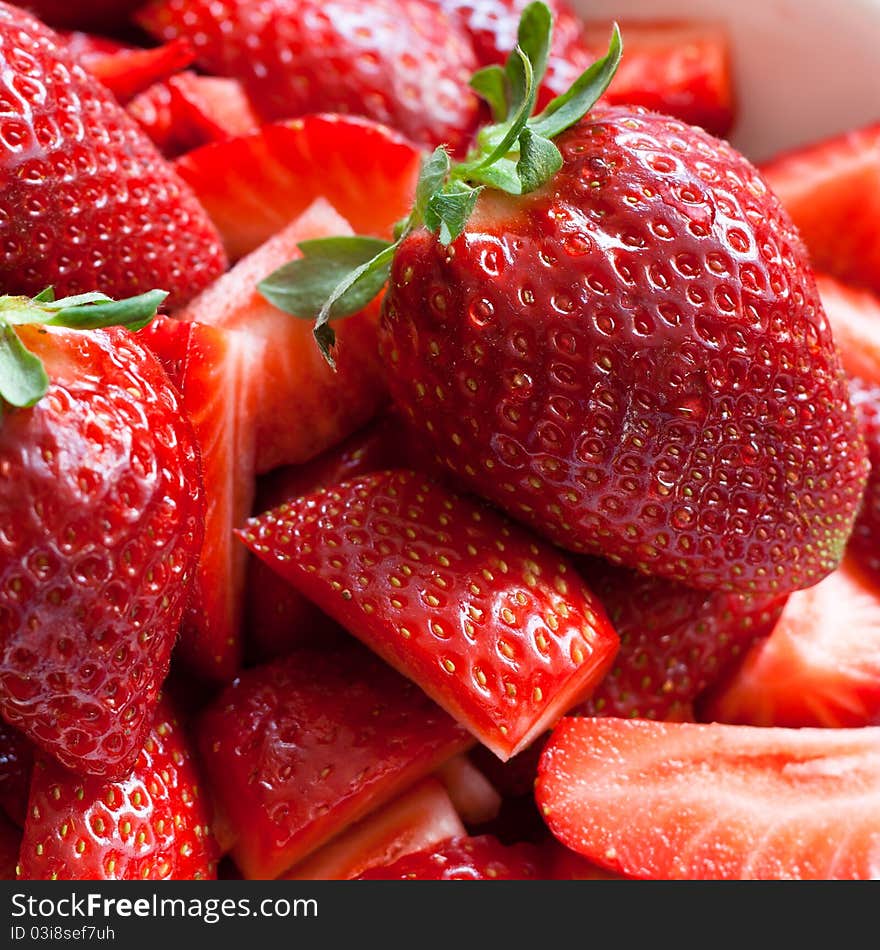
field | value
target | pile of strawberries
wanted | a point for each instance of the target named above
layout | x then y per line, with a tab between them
497	492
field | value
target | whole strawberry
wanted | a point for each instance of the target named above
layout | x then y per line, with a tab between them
616	337
86	201
101	519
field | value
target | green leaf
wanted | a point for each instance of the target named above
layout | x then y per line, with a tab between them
490	84
539	161
97	311
431	178
23	381
364	282
573	105
45	296
449	209
501	175
303	287
534	37
525	102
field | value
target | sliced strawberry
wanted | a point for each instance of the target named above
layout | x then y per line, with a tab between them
304	407
472	794
567	865
854	315
832	191
686	800
216	108
155	112
819	667
674	641
298	750
16	764
864	542
10	846
216	371
495	626
255	185
465	859
680	69
151	825
420	818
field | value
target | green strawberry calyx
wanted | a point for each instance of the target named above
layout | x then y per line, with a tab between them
23	378
515	153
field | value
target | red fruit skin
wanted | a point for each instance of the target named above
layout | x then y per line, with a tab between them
102	511
84	14
864	541
569	367
16	763
151	825
496	628
105	211
403	63
255	185
831	189
690	801
483	858
820	666
297	750
675	641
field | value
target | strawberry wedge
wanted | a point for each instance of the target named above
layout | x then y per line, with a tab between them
494	625
819	667
832	191
696	801
297	750
254	185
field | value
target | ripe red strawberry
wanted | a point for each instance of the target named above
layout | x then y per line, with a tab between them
864	541
303	408
420	818
105	211
675	641
679	69
255	185
465	859
128	70
151	825
217	373
496	627
831	189
819	667
101	506
299	749
84	14
686	800
16	762
400	62
617	339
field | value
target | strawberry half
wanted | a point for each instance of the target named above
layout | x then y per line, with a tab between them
151	825
685	800
301	748
831	189
819	667
465	859
104	209
675	641
496	627
255	185
400	62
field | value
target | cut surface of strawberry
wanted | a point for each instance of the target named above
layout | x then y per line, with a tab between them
255	185
688	800
495	626
152	825
832	191
819	667
301	748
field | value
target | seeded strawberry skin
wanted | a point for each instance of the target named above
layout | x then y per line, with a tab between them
634	361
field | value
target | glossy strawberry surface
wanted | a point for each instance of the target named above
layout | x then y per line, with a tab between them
634	361
101	507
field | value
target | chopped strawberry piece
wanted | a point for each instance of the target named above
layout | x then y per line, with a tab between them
217	108
465	859
420	818
16	764
567	865
152	825
255	185
831	189
495	626
680	69
686	800
675	641
303	407
298	750
819	667
472	794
